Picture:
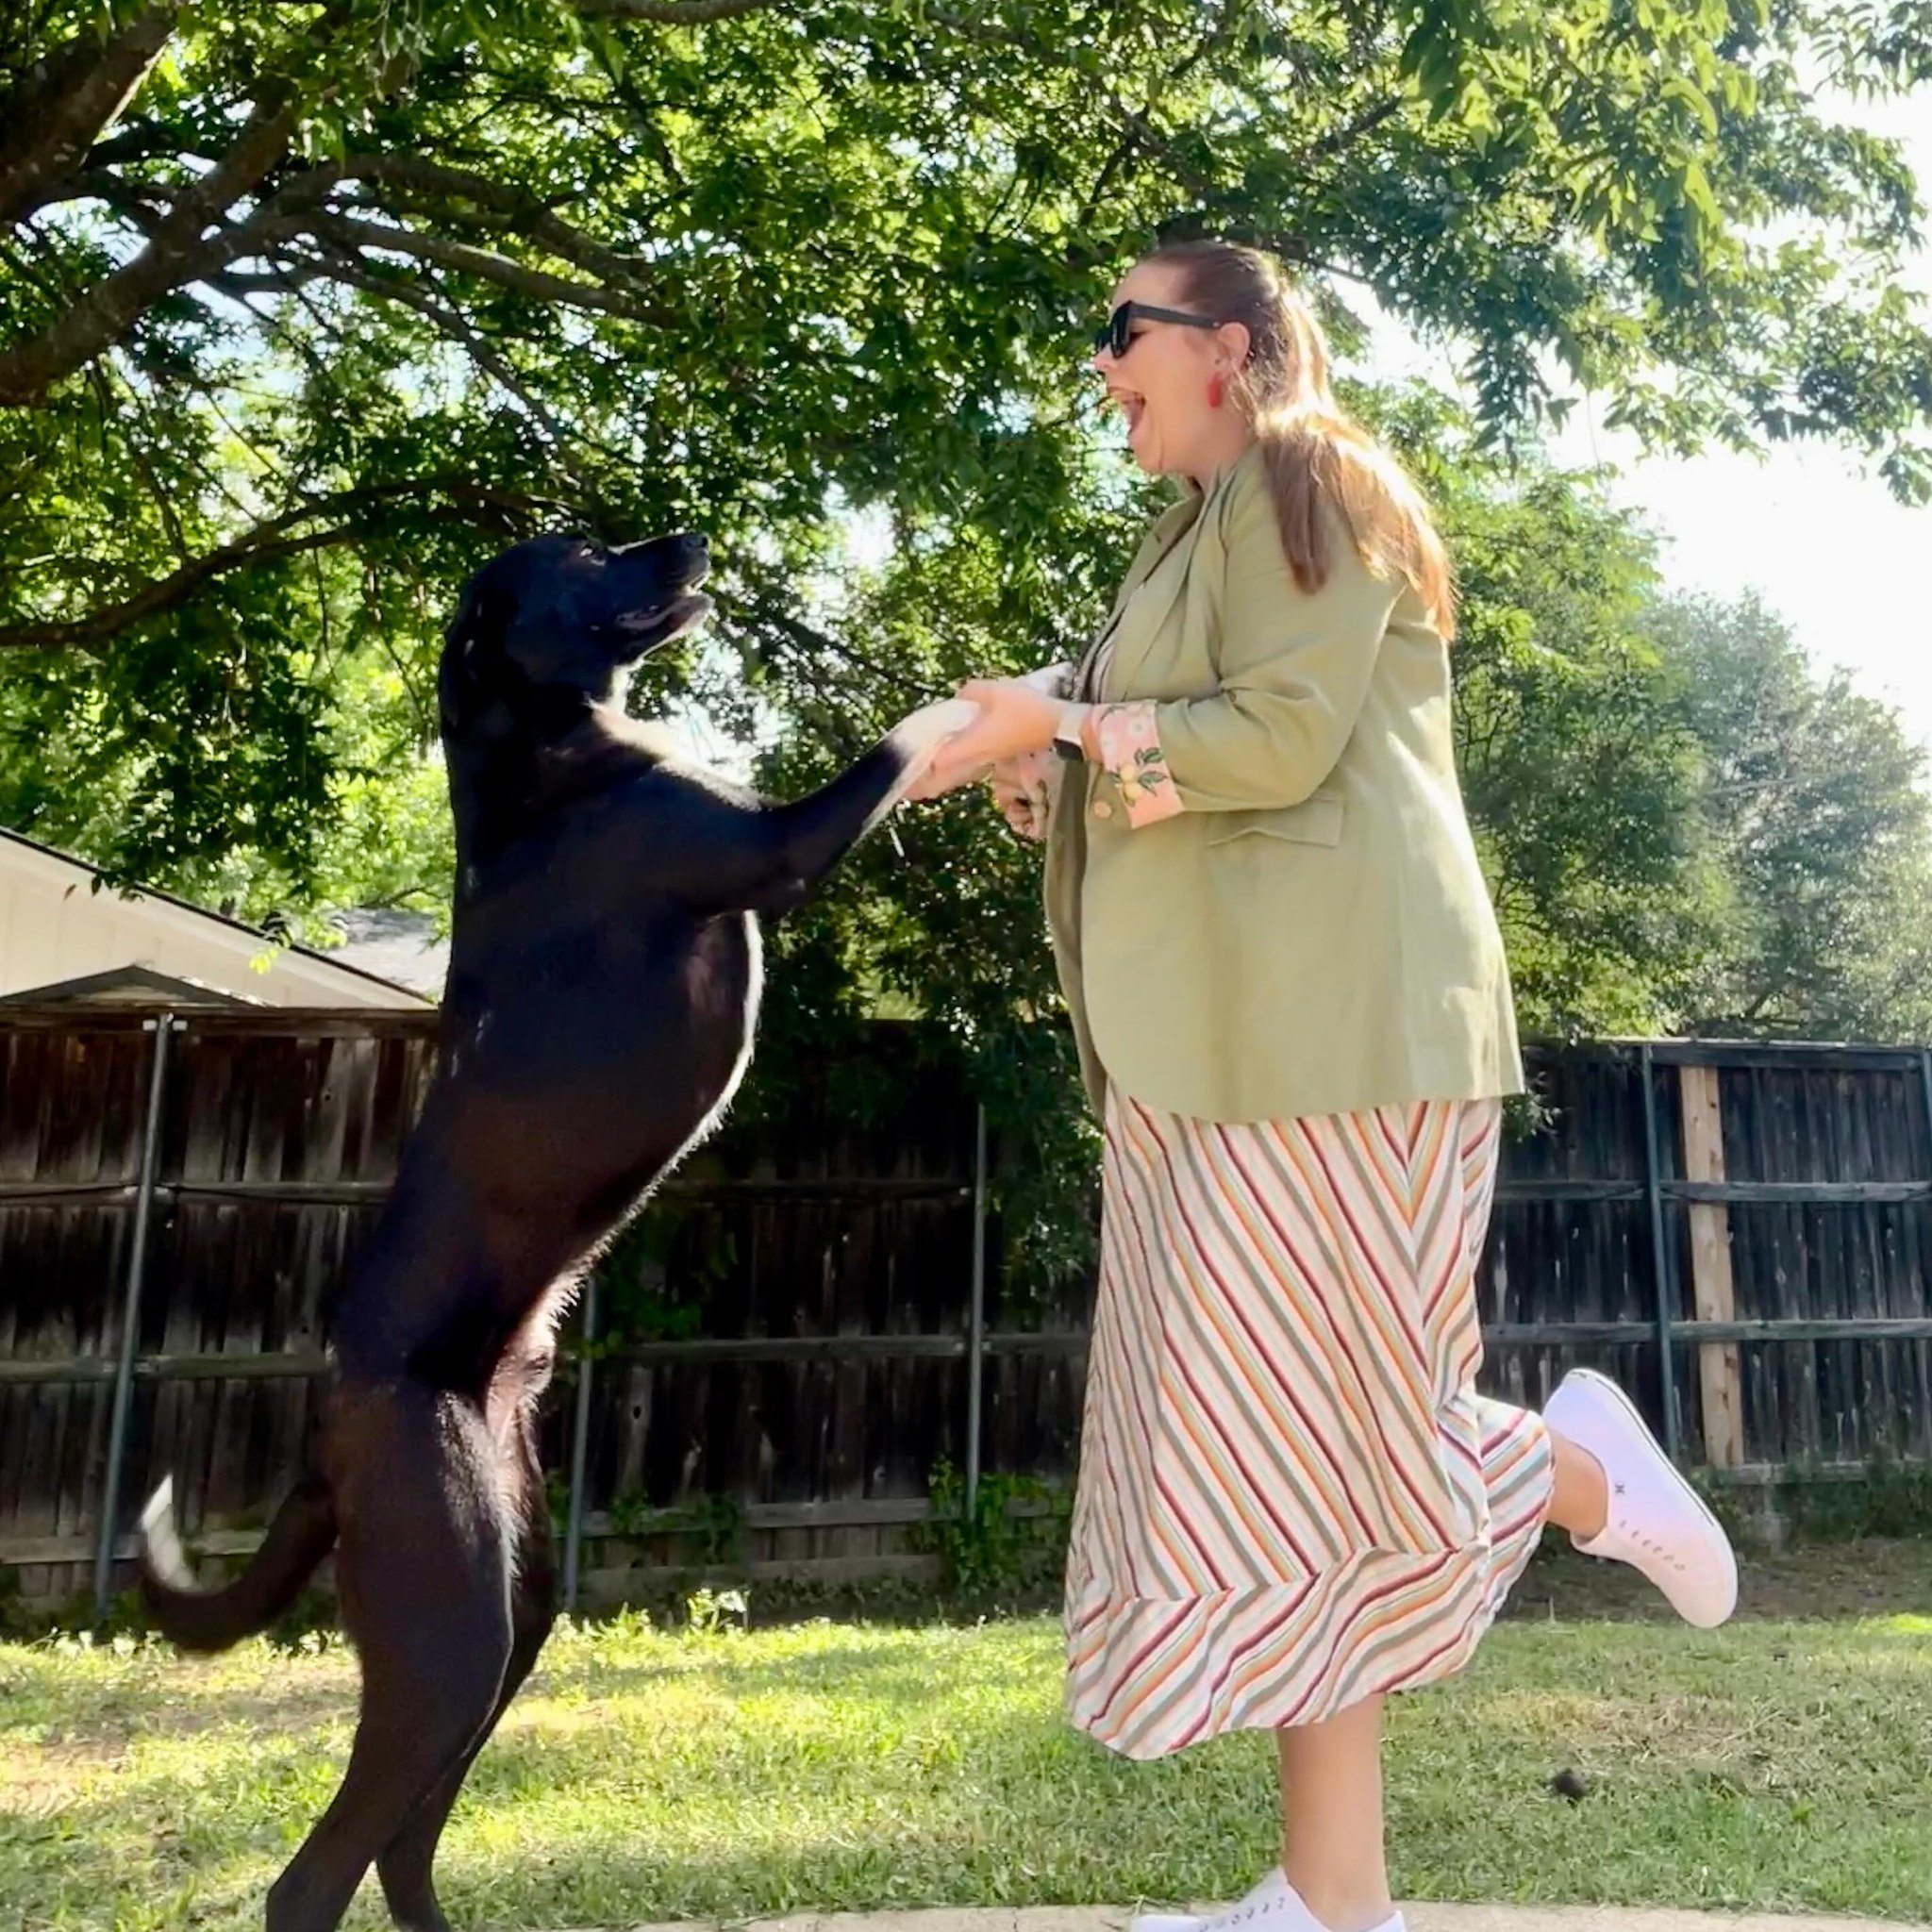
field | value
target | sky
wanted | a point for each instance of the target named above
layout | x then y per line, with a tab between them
1822	540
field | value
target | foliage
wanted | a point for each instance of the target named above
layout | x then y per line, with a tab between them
711	1611
1003	1544
305	308
714	1523
631	1302
1811	800
1886	1499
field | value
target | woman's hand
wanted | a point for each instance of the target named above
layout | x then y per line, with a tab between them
1015	720
1022	790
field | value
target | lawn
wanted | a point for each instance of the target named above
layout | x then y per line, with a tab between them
651	1775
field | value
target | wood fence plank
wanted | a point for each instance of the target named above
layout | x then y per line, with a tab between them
1720	1364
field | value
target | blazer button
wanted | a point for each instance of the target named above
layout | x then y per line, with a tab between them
1102	809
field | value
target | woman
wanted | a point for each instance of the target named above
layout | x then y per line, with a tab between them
1294	1018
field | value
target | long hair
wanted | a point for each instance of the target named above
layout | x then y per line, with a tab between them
1315	452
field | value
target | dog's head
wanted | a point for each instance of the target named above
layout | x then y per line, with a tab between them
550	624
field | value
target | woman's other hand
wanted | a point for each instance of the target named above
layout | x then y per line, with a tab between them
1020	789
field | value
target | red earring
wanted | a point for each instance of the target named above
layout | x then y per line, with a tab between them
1216	390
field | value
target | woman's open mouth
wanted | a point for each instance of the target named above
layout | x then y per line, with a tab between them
1131	404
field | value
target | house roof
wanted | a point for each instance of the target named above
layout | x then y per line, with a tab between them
126	985
399	945
179	907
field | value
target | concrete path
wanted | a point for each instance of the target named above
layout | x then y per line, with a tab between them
1420	1918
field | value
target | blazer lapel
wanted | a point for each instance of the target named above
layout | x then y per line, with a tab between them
1146	611
1154	547
1144	617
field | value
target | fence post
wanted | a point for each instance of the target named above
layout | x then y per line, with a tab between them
1660	1257
1713	1287
579	1445
1926	1080
975	1317
161	1027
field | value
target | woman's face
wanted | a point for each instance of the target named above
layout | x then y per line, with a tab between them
1160	384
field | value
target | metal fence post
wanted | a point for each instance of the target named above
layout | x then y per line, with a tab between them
130	1320
1667	1356
579	1446
975	1317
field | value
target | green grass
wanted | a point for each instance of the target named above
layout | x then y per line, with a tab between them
647	1774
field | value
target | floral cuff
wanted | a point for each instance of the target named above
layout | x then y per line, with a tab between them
1129	742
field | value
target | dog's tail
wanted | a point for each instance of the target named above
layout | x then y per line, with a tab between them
302	1533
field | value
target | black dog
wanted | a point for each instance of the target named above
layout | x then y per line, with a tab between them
603	988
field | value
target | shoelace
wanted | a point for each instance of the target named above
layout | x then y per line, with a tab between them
1644	1543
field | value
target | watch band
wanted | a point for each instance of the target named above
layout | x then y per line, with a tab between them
1067	740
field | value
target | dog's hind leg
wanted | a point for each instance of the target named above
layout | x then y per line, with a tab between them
424	1570
405	1866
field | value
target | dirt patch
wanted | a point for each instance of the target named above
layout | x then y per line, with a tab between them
38	1780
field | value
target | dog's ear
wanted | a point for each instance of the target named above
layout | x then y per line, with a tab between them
477	627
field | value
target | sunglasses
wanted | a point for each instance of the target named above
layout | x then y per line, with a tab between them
1112	335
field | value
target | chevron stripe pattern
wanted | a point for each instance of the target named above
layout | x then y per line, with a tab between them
1291	1496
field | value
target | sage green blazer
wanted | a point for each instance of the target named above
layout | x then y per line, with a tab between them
1312	933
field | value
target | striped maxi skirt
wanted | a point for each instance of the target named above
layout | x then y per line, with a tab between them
1291	1496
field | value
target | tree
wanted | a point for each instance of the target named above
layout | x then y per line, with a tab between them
304	307
1811	799
1581	775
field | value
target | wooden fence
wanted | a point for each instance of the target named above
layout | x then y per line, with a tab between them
1740	1233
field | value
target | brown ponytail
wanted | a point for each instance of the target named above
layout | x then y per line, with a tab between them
1315	452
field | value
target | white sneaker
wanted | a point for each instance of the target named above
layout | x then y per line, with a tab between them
1193	1922
1658	1523
1273	1906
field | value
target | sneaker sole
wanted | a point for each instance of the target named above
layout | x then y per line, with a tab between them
1609	1388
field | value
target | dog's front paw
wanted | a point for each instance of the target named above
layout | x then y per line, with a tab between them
1052	681
921	733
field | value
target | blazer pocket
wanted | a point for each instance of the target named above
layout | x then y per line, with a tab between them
1316	821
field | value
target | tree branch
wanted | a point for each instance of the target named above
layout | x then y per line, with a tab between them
279	537
488	266
451	324
671	12
174	254
283	279
55	123
531	217
762	614
164	507
166	594
143	202
1338	138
